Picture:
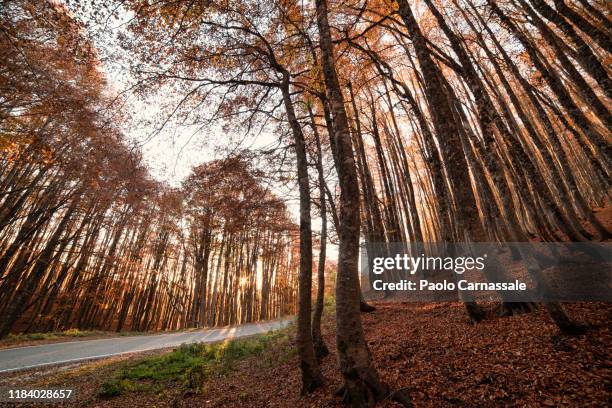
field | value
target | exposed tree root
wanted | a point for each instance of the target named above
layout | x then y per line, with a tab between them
401	397
310	381
565	324
475	312
574	328
365	307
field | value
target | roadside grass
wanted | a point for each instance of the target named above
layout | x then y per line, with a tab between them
27	338
22	337
191	364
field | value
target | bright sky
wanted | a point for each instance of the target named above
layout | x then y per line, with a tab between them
172	152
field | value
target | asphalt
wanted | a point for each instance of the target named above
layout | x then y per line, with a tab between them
22	358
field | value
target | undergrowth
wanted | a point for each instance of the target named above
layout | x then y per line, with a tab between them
191	364
71	333
52	335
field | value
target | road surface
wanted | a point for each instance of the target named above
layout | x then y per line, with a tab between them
22	358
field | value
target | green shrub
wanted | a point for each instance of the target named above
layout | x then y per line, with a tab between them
114	388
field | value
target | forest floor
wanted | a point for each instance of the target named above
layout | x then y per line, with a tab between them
428	349
441	360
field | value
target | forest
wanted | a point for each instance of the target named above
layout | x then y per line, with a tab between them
334	124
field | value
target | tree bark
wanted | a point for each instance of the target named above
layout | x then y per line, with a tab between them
311	373
317	339
362	385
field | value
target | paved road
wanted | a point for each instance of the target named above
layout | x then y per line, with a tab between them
21	358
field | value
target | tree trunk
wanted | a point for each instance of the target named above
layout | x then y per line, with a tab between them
599	36
317	339
362	385
311	373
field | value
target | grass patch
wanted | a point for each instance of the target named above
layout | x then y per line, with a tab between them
52	335
191	364
13	339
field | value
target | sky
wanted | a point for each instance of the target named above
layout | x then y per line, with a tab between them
169	154
172	152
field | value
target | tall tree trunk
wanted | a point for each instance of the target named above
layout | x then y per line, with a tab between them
319	344
556	86
362	385
311	373
603	39
585	56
